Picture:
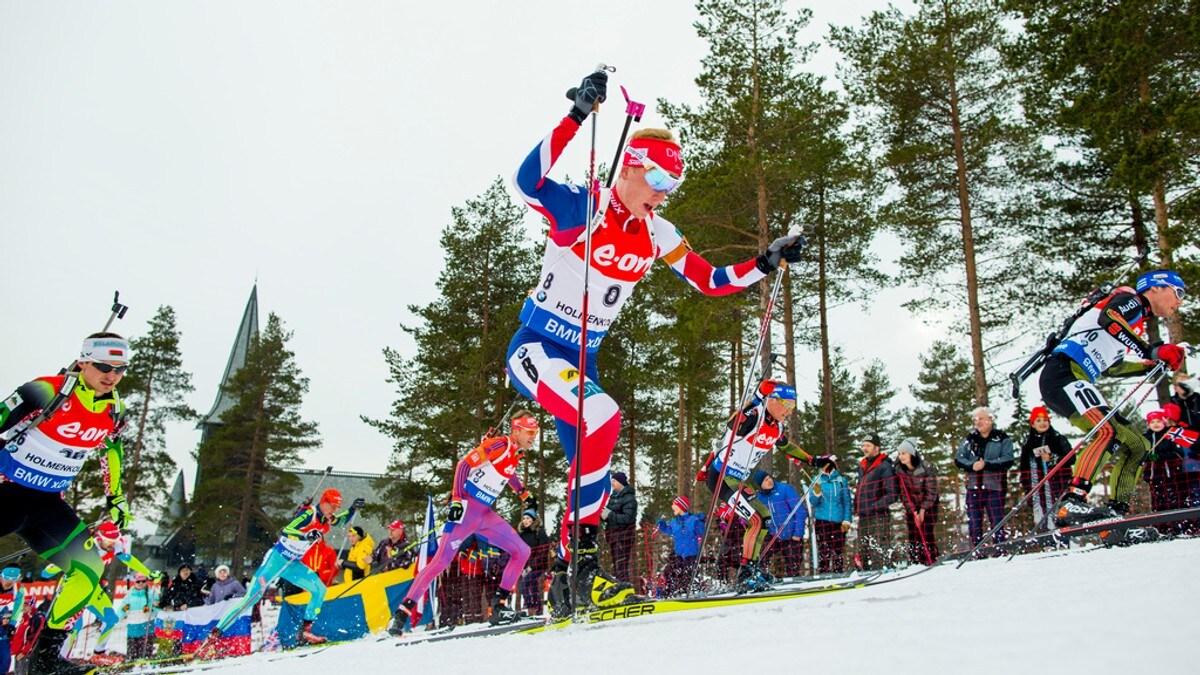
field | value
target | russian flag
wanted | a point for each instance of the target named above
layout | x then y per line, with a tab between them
194	625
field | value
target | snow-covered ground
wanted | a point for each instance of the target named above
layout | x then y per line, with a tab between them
1121	611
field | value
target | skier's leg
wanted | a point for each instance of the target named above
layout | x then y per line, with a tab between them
548	373
267	573
101	605
501	535
299	574
1127	469
1067	391
453	535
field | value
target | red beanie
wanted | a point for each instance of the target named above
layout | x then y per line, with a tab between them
683	503
1039	411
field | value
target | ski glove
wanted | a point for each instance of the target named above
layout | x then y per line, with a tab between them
788	248
1170	354
590	92
358	503
118	510
530	502
314	535
454	512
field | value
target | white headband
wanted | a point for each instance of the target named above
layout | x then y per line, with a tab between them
104	349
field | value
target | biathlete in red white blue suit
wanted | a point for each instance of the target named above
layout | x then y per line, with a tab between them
543	356
479	479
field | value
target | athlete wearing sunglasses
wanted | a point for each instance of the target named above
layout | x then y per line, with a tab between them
544	354
41	462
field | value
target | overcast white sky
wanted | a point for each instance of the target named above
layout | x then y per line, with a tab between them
176	151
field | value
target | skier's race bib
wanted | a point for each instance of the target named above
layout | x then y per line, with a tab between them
37	461
741	505
485	483
1084	396
292	549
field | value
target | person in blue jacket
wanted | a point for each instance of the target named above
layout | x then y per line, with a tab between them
831	514
786	526
687	529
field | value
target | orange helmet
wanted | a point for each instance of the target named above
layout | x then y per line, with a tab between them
332	496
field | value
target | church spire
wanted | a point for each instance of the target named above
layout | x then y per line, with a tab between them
247	330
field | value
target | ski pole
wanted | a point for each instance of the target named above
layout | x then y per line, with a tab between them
597	203
72	373
925	548
1157	373
750	386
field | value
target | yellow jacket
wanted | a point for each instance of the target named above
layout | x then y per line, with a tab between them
357	556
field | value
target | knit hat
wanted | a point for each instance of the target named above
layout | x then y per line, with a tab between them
621	478
221	567
108	530
760	476
1168	278
909	445
104	349
1187	383
359	531
683	503
1038	411
533	515
1172	412
873	439
396	524
1158	414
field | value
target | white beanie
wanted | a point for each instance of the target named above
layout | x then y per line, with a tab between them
909	445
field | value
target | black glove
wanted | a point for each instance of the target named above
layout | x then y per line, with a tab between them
530	502
788	248
454	512
314	535
118	510
358	503
592	90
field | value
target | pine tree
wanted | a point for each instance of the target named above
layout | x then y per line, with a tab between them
942	114
811	419
944	393
871	405
452	389
261	433
154	388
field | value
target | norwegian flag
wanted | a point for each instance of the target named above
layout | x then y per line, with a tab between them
427	550
1182	437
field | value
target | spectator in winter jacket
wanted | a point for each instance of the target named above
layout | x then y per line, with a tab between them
138	607
831	514
224	587
393	552
620	520
1043	449
1186	397
320	558
686	529
533	533
357	563
876	491
786	526
184	590
26	635
985	456
917	480
1163	470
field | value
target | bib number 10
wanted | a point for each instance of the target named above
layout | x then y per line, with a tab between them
1084	396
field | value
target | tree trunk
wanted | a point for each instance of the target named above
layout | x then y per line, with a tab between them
789	348
243	528
135	457
827	402
682	459
968	240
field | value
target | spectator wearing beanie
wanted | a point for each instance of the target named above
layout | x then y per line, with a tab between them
1042	450
788	513
224	587
876	491
620	521
357	563
830	502
985	458
1163	470
917	480
686	529
533	532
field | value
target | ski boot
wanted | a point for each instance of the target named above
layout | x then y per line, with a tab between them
103	658
560	598
603	590
402	618
1073	508
754	579
306	636
500	612
1128	536
45	659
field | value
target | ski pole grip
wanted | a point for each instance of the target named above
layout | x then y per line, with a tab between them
632	107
